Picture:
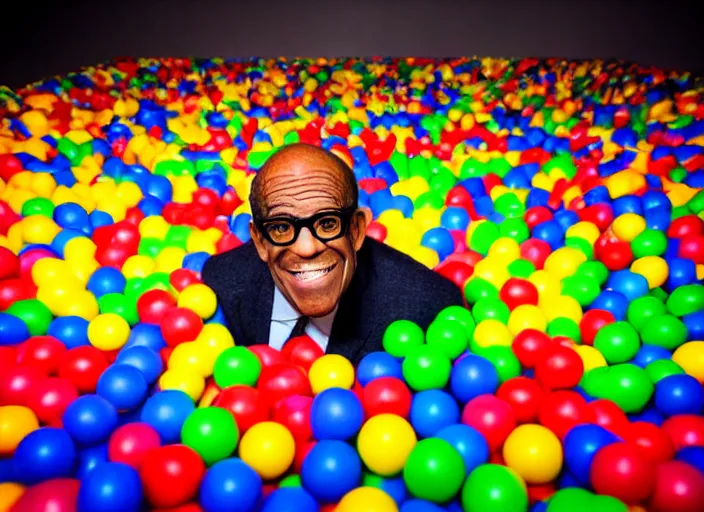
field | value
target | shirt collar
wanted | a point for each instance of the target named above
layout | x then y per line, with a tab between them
283	311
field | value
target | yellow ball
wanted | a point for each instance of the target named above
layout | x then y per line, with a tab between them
548	285
366	499
10	493
534	452
215	336
427	217
190	383
138	265
51	272
153	227
39	229
526	316
331	371
653	268
108	331
564	262
628	226
505	248
585	230
491	332
591	357
493	271
268	448
169	259
43	184
690	357
129	193
82	304
412	187
200	241
562	306
389	218
188	356
16	422
384	443
79	249
425	256
200	299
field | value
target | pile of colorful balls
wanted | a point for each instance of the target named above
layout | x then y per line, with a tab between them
563	197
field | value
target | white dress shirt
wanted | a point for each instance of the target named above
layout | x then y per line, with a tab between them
284	317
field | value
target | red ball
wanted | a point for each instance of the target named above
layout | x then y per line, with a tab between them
592	321
561	368
531	346
460	196
387	395
293	413
171	475
302	351
524	395
685	430
537	215
562	410
456	271
601	215
29	258
18	383
206	198
14	289
153	305
283	380
619	470
302	450
9	264
614	254
55	495
536	251
8	356
267	355
691	247
182	277
246	405
83	366
651	441
134	215
516	292
179	325
50	398
188	507
377	231
678	488
44	352
113	256
685	226
492	417
131	443
609	415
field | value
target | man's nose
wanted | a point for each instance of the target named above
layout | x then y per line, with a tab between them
306	244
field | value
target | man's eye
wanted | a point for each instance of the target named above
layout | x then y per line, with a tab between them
278	228
329	223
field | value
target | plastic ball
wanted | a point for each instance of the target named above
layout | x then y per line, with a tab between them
432	410
336	414
685	430
690	357
447	335
303	351
377	364
367	499
111	486
679	394
330	470
524	396
248	406
130	443
268	448
692	455
165	412
494	488
45	453
533	452
678	487
16	422
183	379
290	499
492	417
171	475
72	331
426	367
198	298
90	419
331	370
468	442
19	383
10	493
384	443
472	376
144	359
560	368
123	386
44	352
652	442
386	395
401	336
211	432
619	470
108	331
581	443
236	365
434	470
35	315
57	495
230	485
282	380
50	399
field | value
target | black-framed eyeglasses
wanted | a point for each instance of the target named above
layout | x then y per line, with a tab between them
326	226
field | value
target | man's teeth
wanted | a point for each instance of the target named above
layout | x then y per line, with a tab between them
308	275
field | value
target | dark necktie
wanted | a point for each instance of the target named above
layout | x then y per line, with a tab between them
300	328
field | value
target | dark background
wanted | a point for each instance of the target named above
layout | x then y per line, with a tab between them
42	41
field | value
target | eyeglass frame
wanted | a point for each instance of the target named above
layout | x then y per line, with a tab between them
298	223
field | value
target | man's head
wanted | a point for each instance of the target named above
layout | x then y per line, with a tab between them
302	181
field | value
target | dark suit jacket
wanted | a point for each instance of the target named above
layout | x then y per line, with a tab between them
387	285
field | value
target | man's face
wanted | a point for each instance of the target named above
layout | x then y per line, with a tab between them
311	274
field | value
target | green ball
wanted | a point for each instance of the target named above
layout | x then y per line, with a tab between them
515	228
434	470
581	245
604	503
38	206
291	481
157	281
686	299
449	336
34	314
594	270
658	370
426	367
618	342
566	327
120	305
133	288
491	308
504	360
571	499
401	336
509	206
594	381
237	365
629	386
479	288
581	288
150	247
521	268
494	488
459	314
643	309
430	198
650	242
665	331
211	432
485	234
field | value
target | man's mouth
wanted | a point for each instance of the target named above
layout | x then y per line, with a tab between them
311	274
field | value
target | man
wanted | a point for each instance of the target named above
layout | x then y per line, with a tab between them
309	268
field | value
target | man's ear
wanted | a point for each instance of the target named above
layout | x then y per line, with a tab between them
258	240
358	226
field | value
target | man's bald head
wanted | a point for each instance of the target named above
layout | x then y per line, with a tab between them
310	160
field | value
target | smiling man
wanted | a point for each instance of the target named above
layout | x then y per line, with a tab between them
309	269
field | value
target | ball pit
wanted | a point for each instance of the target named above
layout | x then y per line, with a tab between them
564	198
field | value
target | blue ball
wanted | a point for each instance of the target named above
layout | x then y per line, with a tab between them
72	331
12	330
418	505
7	470
651	415
240	226
567	479
455	217
679	394
43	454
692	455
440	240
230	485
100	218
378	364
90	419
472	376
395	487
580	445
144	359
649	353
122	385
551	232
106	280
694	322
336	413
145	335
166	411
110	487
290	499
404	204
89	458
71	216
629	284
330	470
58	244
432	410
613	302
469	443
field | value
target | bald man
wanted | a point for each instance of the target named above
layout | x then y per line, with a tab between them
309	269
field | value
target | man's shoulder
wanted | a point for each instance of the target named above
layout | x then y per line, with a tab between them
231	267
